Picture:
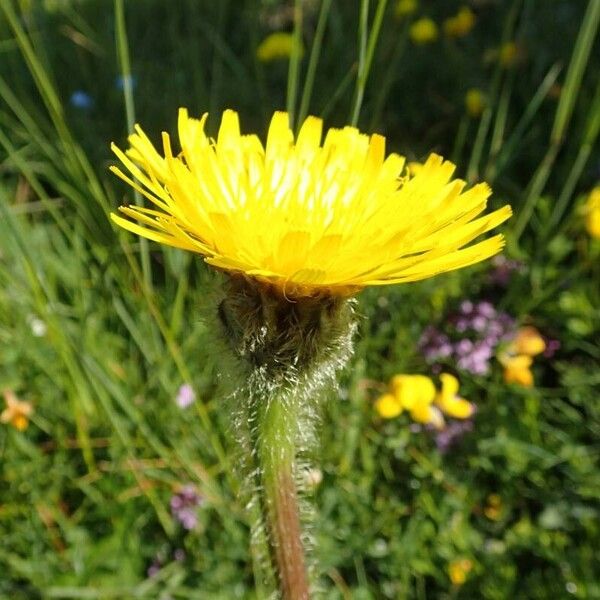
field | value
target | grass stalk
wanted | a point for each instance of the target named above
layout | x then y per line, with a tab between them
315	53
126	76
294	64
366	50
577	65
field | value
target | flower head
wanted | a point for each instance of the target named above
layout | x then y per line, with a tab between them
417	395
423	31
517	369
449	400
460	24
185	396
309	218
17	412
82	100
592	213
459	569
474	102
184	504
493	509
517	356
509	54
529	341
405	7
276	46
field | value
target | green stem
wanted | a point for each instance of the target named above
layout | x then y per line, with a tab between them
277	423
125	65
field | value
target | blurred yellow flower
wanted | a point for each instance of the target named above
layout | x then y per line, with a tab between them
460	24
414	393
417	395
508	54
423	31
592	213
17	412
388	406
306	216
450	402
517	369
528	341
276	46
516	357
459	569
493	509
405	7
474	102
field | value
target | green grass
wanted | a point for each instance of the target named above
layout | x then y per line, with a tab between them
85	490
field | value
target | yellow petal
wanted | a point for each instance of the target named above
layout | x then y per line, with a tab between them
387	406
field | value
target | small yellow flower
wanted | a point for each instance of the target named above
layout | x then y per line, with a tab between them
460	24
517	369
405	7
517	356
592	213
276	46
508	54
388	406
493	509
423	31
527	341
17	412
305	216
459	569
474	102
450	402
416	394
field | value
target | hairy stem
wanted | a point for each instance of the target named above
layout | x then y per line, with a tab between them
276	455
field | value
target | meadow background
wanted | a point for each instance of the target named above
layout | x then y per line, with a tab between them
100	330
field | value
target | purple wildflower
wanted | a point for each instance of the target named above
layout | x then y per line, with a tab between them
552	346
434	344
183	506
503	269
185	396
154	568
447	437
479	328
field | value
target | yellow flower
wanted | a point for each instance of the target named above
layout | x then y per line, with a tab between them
449	400
388	406
275	46
305	217
528	341
17	412
493	510
423	31
405	7
508	54
416	393
459	569
592	213
517	369
460	24
475	102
